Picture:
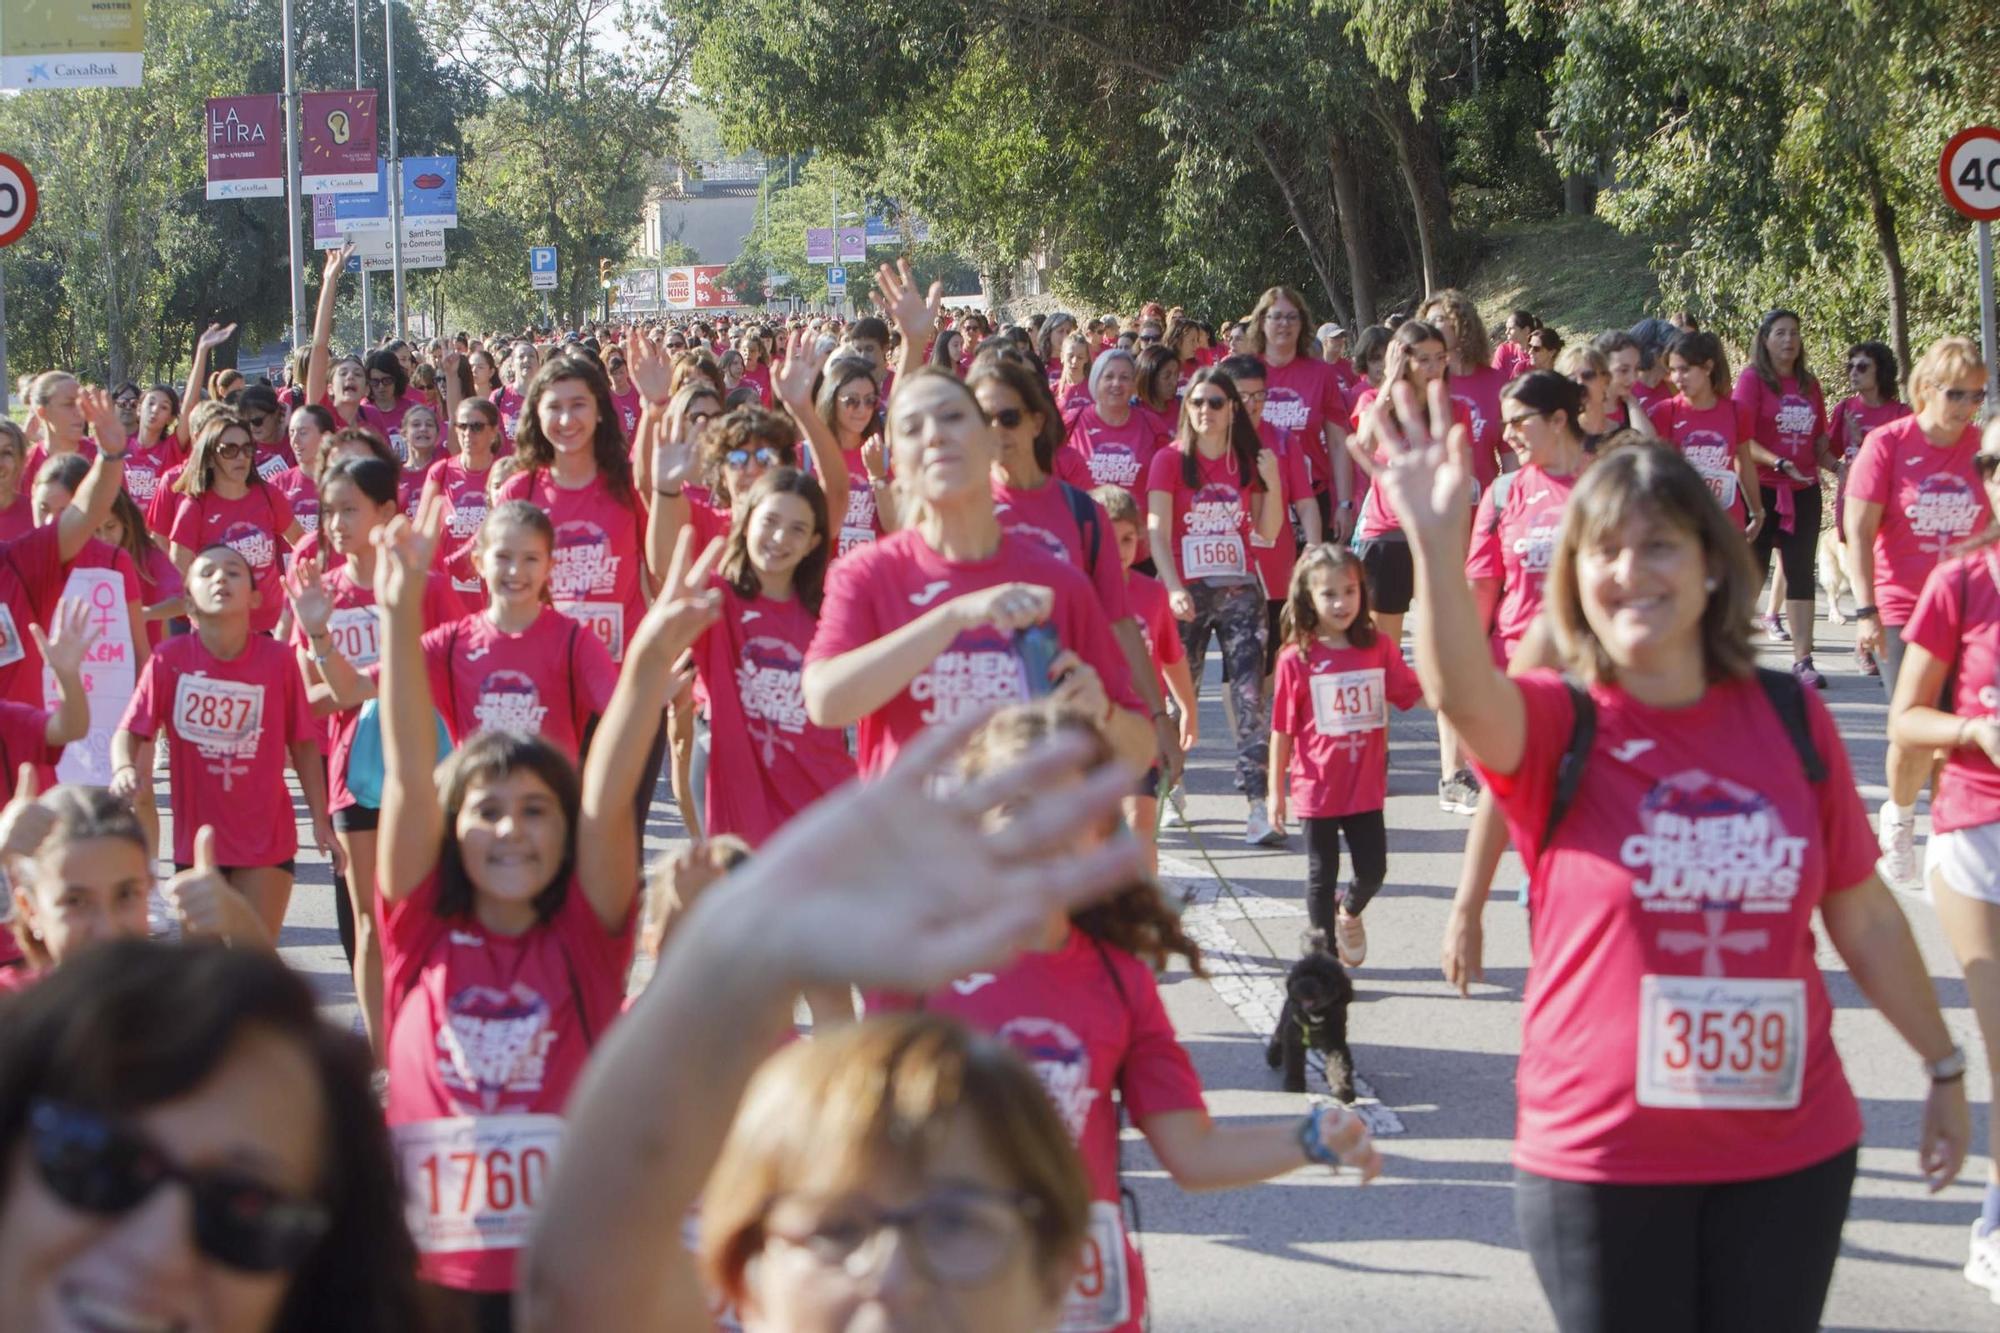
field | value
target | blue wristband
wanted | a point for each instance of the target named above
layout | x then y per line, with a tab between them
1309	1140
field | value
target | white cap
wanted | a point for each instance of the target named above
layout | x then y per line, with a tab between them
1330	330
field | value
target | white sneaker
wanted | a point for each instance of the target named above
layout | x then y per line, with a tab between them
1982	1264
1257	830
1175	815
1350	939
1897	836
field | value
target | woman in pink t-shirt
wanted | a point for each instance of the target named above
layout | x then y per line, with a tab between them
1711	431
459	481
222	499
1113	437
507	888
849	407
1786	412
1872	373
1474	382
155	448
422	435
1082	1006
1069	376
1686	1140
941	619
1913	494
1953	637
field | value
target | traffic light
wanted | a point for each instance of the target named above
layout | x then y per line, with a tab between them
604	274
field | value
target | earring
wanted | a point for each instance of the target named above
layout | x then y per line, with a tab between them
1711	583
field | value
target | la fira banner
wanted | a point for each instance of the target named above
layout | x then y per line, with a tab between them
246	148
71	43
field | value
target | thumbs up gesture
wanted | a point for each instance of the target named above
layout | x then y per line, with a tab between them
202	899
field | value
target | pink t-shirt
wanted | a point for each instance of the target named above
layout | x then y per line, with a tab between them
760	376
767	760
549	680
1117	455
1087	1018
301	492
356	631
17	519
1957	621
145	467
1043	516
1651	396
1478	393
600	542
1515	543
1377	518
1334	703
159	581
1931	500
410	483
38	454
628	404
1147	599
1677	1029
32	578
1852	421
252	525
889	583
862	523
1787	423
227	725
510	402
1300	397
1273	560
1708	438
1071	401
1512	359
1210	537
492	1028
464	494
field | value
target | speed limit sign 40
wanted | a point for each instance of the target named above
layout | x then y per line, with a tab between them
1969	170
18	199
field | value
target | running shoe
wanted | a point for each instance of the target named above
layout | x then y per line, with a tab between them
1350	941
1258	830
1459	793
1774	627
1808	674
1897	836
1867	663
1982	1264
1175	815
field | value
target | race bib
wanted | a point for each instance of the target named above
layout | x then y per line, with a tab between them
12	650
357	633
1345	702
1101	1297
270	467
604	619
1722	485
1211	555
219	715
850	538
1721	1043
474	1183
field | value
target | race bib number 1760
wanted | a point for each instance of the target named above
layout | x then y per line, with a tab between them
474	1183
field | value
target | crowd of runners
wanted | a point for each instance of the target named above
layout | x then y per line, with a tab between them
910	615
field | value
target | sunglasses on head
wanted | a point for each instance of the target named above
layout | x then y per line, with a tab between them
742	457
97	1163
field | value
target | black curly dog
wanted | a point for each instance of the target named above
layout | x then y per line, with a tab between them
1317	993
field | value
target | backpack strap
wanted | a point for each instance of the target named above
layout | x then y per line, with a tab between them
1499	488
451	670
1084	510
1569	769
1788	700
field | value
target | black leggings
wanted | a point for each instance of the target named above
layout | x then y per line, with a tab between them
454	1311
1798	550
1753	1255
1367	843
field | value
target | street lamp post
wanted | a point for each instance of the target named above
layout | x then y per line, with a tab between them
395	167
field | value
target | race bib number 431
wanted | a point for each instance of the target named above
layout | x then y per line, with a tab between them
1721	1043
473	1183
1345	702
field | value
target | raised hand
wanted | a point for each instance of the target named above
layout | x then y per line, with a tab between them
199	895
647	364
912	312
312	604
875	458
404	551
26	821
66	647
336	262
215	335
793	380
102	414
1421	460
676	463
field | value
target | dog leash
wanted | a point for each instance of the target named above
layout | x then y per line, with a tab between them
1187	827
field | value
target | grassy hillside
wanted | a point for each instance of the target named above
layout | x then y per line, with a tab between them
1579	274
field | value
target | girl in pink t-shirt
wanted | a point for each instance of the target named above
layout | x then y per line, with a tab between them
458	483
507	891
222	499
1678	1082
1872	374
1337	679
1082	1006
1953	636
1711	431
850	408
422	436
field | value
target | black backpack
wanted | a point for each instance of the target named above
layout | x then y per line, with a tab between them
1084	510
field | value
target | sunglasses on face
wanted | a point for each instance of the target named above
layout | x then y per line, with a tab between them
1586	377
1213	402
743	457
126	401
1007	418
852	401
1860	363
474	425
1961	397
381	382
233	449
258	420
98	1164
1149	338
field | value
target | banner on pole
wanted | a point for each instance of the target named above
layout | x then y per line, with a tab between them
852	246
430	190
696	287
72	43
337	143
246	148
638	289
366	211
819	245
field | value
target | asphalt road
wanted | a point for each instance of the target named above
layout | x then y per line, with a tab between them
1432	1245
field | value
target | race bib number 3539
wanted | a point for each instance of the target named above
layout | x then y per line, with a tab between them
1721	1043
474	1183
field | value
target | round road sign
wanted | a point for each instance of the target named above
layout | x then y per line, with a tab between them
1969	170
18	199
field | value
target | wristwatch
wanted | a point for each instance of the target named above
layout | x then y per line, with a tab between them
1867	613
1948	1070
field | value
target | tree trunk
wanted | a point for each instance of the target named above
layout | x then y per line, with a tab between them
1353	227
1579	195
1416	146
1315	248
1884	214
